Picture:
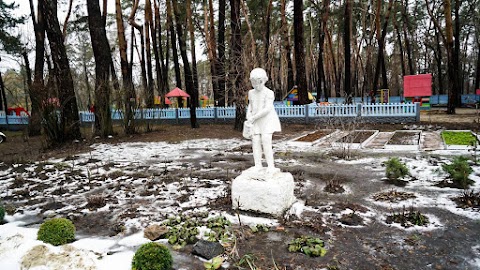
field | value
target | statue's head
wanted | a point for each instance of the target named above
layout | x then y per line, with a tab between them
258	78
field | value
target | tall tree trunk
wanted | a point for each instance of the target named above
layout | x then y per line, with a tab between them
86	76
3	99
267	35
128	91
221	54
189	83
287	47
173	39
406	32
253	44
65	23
166	67
158	50
28	75
381	50
236	65
400	45
149	95
477	76
69	120
192	51
321	44
211	47
141	52
336	75
456	57
103	61
346	44
452	76
438	57
37	91
301	77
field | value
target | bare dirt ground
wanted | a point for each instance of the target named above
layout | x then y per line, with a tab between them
375	246
21	148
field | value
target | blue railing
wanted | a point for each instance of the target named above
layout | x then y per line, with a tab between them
435	100
348	110
283	111
390	109
13	119
290	111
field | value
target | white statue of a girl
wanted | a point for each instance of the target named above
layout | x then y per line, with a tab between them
262	119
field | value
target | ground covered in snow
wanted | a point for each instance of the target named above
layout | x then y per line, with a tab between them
113	190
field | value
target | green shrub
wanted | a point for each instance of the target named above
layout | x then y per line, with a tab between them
152	256
2	212
458	171
395	169
57	231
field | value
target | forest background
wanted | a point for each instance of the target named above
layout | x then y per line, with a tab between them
70	54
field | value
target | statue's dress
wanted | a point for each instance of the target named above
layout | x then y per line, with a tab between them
260	105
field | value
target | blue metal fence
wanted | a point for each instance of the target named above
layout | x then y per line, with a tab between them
435	100
289	112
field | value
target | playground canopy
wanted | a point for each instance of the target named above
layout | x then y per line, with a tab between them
177	92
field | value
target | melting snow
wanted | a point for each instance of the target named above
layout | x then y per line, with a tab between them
142	163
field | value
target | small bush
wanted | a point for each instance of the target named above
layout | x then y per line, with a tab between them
458	171
395	169
57	231
181	231
2	212
152	256
334	186
469	199
96	201
312	247
408	218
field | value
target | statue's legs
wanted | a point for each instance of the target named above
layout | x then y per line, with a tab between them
267	149
257	150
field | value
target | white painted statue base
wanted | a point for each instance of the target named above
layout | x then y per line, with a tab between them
263	191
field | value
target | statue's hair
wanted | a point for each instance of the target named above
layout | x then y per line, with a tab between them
258	73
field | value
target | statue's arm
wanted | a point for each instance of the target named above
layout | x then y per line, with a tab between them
249	108
266	108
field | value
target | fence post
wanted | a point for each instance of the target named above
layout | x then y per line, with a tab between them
306	113
215	114
176	115
417	113
359	109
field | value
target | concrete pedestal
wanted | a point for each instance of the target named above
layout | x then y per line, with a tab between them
258	190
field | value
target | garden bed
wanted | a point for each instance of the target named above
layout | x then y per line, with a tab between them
356	139
404	140
314	137
459	139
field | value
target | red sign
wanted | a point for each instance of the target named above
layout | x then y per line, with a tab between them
417	85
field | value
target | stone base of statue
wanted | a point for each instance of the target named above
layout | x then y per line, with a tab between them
263	191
